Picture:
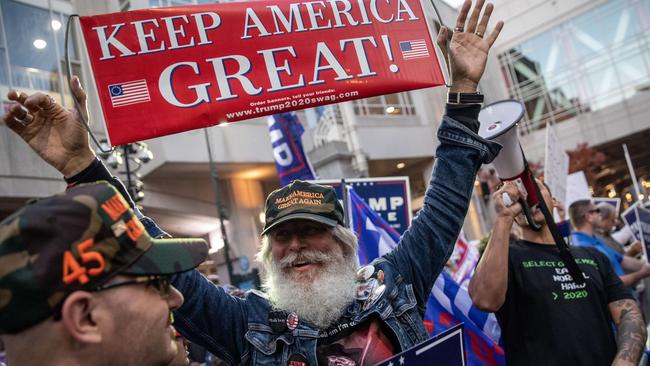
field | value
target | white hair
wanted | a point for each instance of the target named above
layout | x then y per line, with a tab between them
323	300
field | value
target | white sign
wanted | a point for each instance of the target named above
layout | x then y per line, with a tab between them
556	166
577	188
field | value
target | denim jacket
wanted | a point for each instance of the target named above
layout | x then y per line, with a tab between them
237	330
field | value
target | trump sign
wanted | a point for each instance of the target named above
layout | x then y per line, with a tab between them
167	70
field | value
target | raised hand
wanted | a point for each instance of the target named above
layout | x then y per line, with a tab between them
469	45
56	134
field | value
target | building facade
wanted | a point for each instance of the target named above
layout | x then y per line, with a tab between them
581	66
389	135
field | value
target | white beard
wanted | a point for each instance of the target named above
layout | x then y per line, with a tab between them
322	301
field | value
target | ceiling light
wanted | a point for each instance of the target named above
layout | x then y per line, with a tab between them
56	25
401	165
39	44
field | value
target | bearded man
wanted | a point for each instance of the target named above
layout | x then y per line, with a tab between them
318	309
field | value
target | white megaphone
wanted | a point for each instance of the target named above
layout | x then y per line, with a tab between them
499	124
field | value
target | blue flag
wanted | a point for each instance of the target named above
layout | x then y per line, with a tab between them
376	236
448	305
290	159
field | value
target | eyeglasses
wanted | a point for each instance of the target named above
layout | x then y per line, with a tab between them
594	210
162	284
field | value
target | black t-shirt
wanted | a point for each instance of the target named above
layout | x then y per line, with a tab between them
547	319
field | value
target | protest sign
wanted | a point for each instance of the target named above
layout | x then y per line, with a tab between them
167	70
389	197
556	166
577	188
638	219
446	348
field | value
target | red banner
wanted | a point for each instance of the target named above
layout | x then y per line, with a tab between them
162	71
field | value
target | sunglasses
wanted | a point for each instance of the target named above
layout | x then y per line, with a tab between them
162	284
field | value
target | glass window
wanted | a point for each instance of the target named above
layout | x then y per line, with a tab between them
36	52
594	30
544	51
391	105
33	55
33	46
631	68
590	62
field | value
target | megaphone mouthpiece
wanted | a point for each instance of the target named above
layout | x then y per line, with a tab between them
499	124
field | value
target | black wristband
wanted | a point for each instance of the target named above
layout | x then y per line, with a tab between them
465	98
88	172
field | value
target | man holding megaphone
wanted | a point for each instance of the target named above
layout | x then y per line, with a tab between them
546	317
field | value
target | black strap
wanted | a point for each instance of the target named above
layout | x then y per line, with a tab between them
465	98
565	251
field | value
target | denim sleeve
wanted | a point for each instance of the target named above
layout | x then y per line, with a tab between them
427	244
211	318
208	316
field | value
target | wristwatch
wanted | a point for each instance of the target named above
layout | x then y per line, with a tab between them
465	98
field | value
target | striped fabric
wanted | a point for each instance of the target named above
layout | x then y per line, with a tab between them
414	49
449	303
130	92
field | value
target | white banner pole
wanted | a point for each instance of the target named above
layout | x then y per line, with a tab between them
631	169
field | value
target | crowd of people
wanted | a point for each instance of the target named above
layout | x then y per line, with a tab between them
525	281
87	279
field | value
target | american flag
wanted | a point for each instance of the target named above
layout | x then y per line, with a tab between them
414	49
130	92
448	304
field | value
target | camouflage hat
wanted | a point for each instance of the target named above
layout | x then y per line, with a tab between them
303	200
78	240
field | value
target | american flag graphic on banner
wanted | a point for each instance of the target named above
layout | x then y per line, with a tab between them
414	49
130	92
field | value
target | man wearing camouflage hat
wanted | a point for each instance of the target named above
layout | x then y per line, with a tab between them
318	309
83	283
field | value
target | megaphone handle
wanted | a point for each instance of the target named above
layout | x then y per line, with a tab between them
507	201
529	215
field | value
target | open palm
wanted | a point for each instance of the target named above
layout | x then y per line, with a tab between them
467	50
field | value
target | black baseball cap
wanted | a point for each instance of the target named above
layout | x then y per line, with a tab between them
303	200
